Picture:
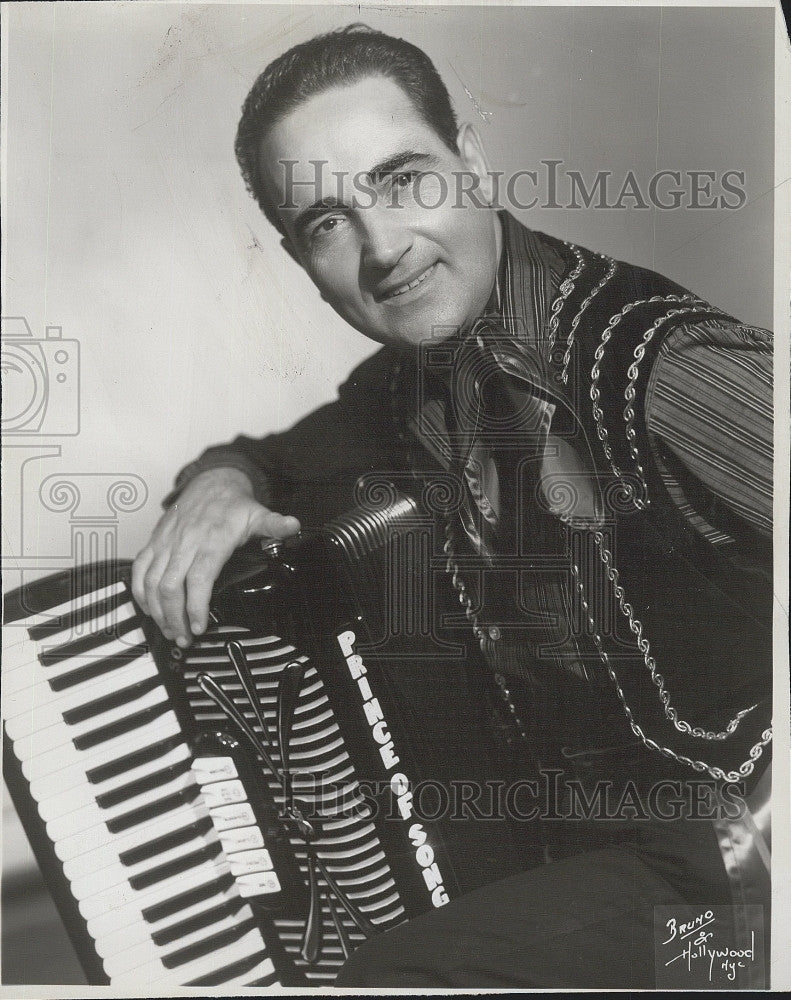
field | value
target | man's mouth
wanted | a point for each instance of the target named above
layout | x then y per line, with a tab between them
409	285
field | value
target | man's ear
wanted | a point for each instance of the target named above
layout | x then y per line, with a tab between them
474	158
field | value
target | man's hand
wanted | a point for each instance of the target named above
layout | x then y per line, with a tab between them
173	576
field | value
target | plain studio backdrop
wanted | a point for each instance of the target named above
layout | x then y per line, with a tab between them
126	223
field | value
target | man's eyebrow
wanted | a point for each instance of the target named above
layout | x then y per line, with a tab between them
408	158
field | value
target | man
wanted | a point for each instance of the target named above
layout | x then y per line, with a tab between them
605	426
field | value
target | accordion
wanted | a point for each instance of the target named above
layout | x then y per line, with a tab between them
250	810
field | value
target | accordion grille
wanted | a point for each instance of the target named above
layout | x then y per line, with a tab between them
323	777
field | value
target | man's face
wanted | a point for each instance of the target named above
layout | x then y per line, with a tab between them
381	228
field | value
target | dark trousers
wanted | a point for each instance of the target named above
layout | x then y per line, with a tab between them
585	921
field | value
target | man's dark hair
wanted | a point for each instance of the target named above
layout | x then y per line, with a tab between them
335	59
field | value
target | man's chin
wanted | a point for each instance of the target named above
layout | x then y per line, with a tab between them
429	324
429	328
410	337
414	338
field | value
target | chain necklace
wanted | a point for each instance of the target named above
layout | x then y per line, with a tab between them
478	630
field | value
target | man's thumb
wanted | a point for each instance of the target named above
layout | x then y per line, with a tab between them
268	523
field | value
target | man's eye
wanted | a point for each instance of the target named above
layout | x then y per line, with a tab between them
404	180
325	226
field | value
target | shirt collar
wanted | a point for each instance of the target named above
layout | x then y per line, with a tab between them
513	326
528	278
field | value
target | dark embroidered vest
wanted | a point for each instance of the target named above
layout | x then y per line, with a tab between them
680	632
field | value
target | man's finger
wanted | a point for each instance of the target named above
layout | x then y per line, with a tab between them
151	586
199	583
139	569
172	596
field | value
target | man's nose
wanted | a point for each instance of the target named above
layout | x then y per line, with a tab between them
386	237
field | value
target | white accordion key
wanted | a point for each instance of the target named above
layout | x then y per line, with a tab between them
223	793
78	603
33	698
92	841
113	923
249	946
107	622
257	884
103	855
242	838
19	651
43	764
35	743
54	801
114	874
117	921
263	970
91	815
210	769
250	862
118	896
21	676
229	817
45	716
147	953
110	941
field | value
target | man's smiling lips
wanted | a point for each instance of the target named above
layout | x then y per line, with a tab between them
396	291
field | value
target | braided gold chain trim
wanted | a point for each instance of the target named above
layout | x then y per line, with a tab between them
612	267
566	288
452	568
745	769
636	627
633	373
595	395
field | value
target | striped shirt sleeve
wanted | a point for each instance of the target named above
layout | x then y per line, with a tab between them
710	402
